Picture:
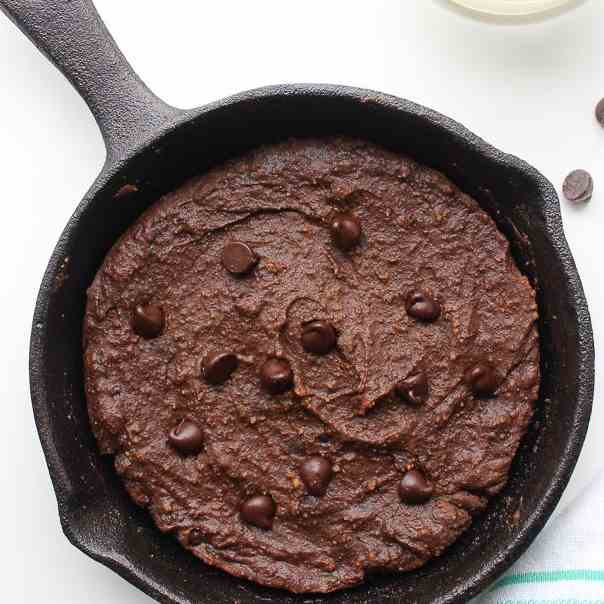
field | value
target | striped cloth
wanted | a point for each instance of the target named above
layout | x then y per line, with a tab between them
565	564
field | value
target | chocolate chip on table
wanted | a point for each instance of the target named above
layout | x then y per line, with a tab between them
187	437
345	230
217	367
578	186
276	375
318	337
482	379
259	511
600	112
195	538
421	305
147	320
413	389
316	474
414	489
238	258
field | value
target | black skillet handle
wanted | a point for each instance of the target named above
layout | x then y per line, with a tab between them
72	35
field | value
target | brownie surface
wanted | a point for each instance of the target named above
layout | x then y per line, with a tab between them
196	451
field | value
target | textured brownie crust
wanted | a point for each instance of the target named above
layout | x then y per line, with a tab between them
419	231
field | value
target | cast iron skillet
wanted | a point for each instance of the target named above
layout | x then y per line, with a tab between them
157	147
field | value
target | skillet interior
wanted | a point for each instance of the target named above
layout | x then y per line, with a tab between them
96	513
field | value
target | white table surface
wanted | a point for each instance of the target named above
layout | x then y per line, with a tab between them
527	88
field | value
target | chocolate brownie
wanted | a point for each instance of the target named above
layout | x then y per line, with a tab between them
311	363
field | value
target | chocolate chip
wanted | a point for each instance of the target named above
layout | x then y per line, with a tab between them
324	438
413	389
318	337
195	538
147	320
238	258
217	367
276	375
600	113
482	379
187	437
316	473
259	511
414	488
421	305
345	230
578	186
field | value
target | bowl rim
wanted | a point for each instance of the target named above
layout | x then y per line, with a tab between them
553	227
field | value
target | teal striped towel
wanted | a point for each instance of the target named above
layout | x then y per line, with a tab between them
565	564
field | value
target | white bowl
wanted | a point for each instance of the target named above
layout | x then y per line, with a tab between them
512	7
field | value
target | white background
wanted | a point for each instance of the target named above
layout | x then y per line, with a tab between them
528	88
